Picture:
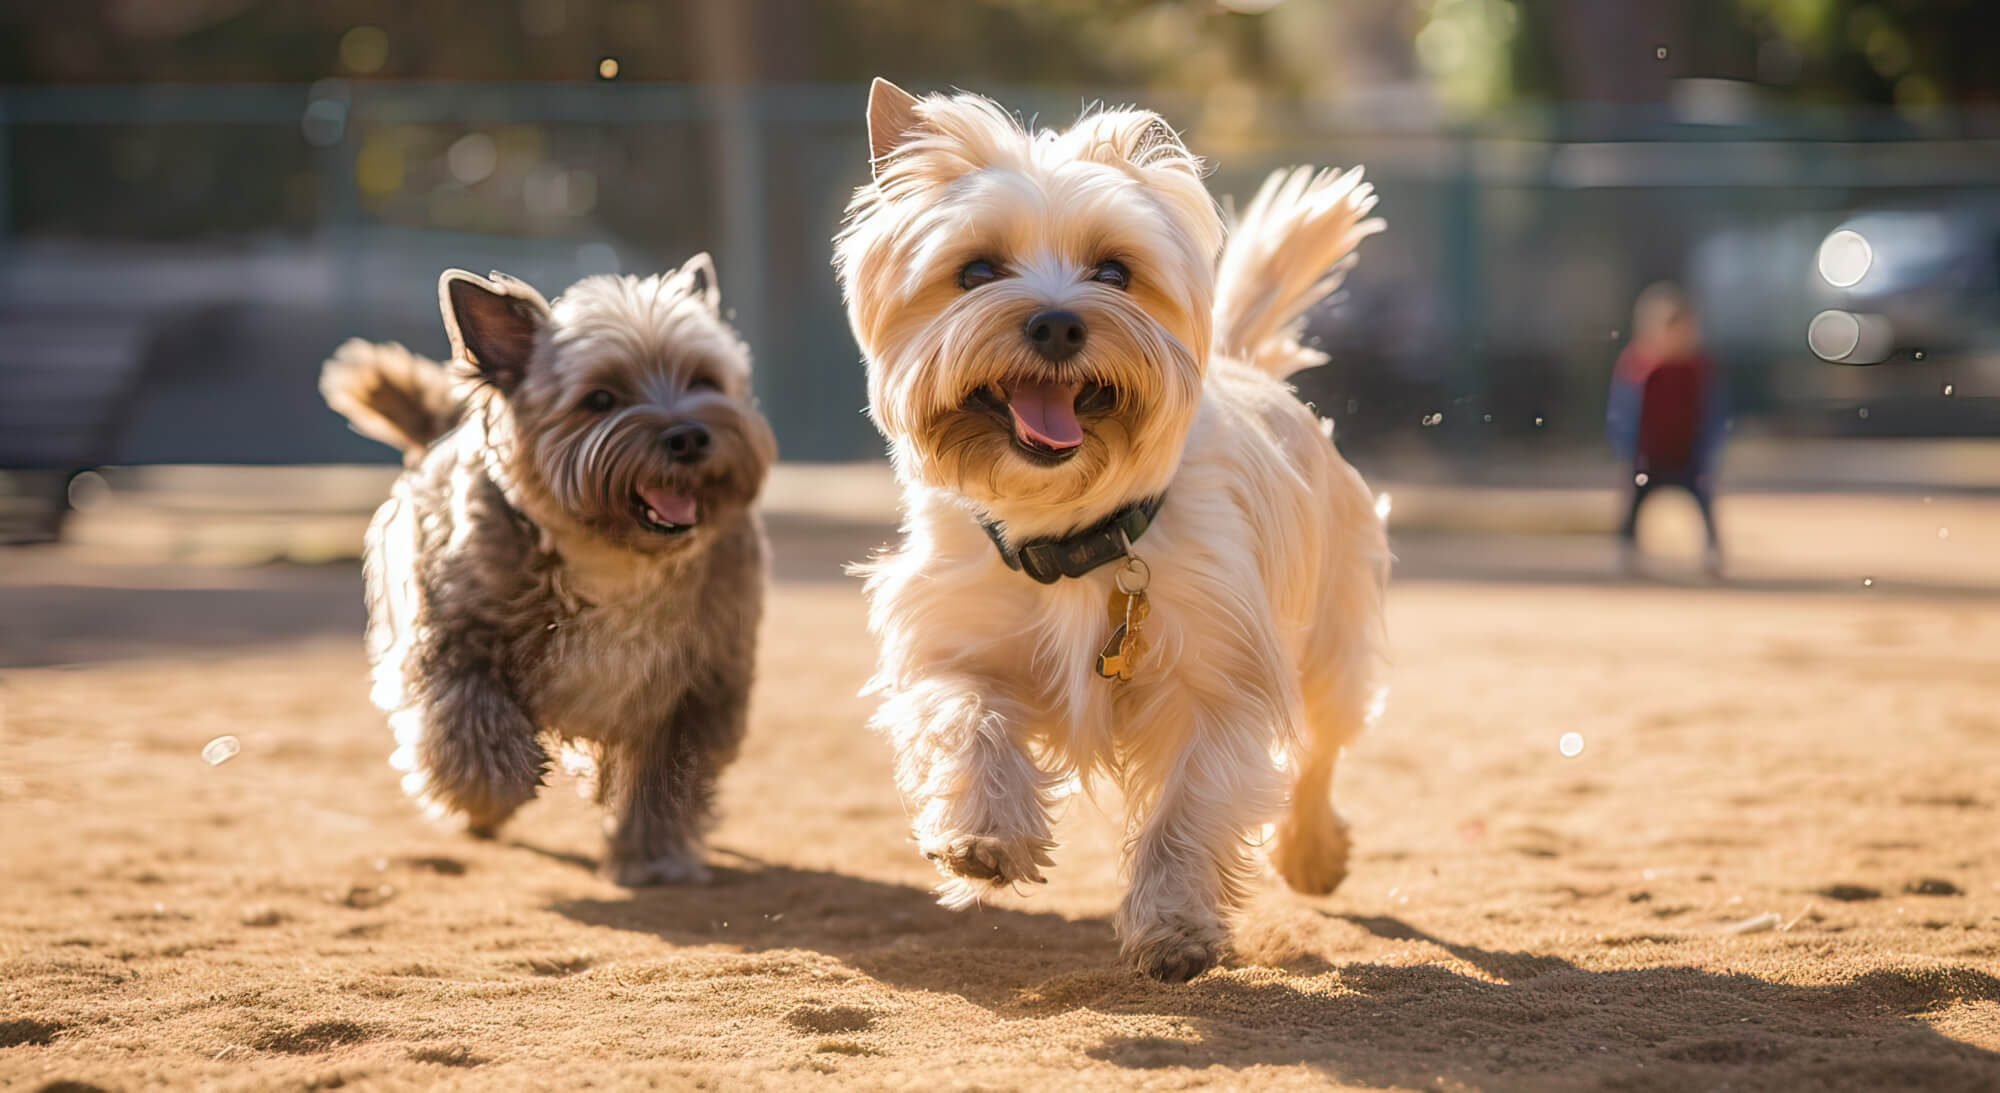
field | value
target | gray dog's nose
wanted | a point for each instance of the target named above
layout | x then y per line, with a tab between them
686	443
1057	335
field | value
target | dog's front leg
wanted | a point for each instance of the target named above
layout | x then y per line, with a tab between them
1194	808
468	746
981	804
659	787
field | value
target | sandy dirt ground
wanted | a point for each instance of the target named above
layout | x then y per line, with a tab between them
1772	865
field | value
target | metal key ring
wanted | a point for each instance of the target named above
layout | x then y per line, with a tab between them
1138	571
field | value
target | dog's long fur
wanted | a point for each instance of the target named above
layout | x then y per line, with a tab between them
1268	562
514	594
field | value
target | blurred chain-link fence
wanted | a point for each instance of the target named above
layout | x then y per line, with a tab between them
179	260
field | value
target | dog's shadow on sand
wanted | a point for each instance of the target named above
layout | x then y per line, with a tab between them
1523	1021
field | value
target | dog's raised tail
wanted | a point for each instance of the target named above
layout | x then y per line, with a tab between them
1288	250
391	394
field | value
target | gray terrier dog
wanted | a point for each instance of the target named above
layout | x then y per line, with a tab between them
571	553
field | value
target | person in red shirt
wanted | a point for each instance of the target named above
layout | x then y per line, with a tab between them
1668	413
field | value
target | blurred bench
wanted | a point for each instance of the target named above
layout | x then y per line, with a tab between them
67	384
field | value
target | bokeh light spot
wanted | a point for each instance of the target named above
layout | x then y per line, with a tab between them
364	50
1844	258
1833	335
86	489
378	168
472	158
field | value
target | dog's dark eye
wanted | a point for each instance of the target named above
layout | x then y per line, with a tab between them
1113	273
976	273
598	402
704	383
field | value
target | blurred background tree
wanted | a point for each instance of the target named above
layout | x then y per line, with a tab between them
1475	54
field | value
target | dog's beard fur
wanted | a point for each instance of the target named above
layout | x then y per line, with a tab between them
1268	564
665	359
1046	211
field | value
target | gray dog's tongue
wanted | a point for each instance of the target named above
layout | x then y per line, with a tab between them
1045	413
674	508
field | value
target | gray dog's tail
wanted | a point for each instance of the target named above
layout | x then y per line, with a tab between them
1288	251
391	394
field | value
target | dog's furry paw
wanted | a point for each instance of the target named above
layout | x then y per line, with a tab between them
1313	862
1178	949
999	861
478	761
680	867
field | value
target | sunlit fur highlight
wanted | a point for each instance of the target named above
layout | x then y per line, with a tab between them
1268	561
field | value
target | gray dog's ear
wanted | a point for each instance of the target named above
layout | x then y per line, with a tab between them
493	322
892	121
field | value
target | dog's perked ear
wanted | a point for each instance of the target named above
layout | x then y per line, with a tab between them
702	285
892	120
493	322
1139	138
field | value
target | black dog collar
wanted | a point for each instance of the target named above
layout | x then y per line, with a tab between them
1049	560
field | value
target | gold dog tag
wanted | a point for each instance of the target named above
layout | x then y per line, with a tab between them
1128	608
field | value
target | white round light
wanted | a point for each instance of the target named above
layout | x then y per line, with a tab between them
1844	258
1833	335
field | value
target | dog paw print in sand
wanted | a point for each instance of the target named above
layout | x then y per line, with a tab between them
821	1020
432	863
457	1055
1727	1051
368	894
556	964
310	1039
28	1032
359	895
261	915
828	1021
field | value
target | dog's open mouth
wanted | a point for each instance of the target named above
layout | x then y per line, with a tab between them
1045	415
659	509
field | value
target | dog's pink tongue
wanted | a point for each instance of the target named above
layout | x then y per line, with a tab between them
1045	412
674	508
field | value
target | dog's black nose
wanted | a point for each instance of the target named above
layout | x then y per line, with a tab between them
1057	335
686	443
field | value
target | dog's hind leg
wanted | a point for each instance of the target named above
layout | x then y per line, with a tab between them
659	787
1343	688
1310	846
1343	693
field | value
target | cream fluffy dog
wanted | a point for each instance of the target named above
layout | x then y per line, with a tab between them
1071	369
